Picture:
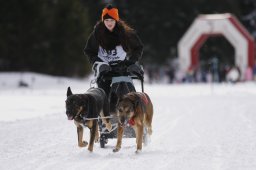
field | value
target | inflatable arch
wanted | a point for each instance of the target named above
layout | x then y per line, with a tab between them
221	24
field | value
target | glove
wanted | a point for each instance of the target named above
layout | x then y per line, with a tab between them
127	62
121	62
100	68
136	69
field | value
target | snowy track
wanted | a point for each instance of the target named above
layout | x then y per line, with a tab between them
195	127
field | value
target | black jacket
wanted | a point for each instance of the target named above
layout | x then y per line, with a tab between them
134	50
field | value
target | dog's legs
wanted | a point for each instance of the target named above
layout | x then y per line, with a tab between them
150	130
148	126
80	132
106	122
120	131
105	113
149	117
139	137
92	135
136	133
97	136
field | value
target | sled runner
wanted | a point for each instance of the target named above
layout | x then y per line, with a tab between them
122	83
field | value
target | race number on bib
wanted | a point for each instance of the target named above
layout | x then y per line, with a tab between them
112	55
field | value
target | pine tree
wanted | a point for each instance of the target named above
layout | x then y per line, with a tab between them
46	36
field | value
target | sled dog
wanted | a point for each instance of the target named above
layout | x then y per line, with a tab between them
135	109
84	109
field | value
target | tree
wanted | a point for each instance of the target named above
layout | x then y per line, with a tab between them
162	23
44	36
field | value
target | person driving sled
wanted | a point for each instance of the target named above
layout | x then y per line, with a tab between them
113	44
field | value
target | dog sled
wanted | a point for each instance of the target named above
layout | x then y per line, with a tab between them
122	82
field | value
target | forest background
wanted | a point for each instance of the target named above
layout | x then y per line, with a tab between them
48	36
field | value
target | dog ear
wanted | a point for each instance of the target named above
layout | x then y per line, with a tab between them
69	92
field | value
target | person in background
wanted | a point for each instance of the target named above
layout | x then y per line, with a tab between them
113	43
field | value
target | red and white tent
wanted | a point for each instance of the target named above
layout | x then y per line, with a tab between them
221	24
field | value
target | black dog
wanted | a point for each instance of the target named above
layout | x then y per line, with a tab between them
84	109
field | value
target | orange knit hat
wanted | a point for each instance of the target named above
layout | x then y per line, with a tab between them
110	12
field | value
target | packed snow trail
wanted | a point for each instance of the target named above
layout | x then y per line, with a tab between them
195	127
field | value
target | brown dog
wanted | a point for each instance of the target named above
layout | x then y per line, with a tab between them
136	109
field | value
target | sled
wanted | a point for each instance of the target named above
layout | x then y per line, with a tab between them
122	83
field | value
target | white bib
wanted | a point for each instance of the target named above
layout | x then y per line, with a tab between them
112	55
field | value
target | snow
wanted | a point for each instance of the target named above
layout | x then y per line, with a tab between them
195	127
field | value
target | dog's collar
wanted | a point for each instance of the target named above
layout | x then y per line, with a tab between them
131	121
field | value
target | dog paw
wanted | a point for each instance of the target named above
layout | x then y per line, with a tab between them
90	149
97	140
116	149
83	144
138	151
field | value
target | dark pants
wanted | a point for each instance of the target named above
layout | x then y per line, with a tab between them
118	89
105	85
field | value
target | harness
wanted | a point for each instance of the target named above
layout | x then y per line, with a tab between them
78	114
